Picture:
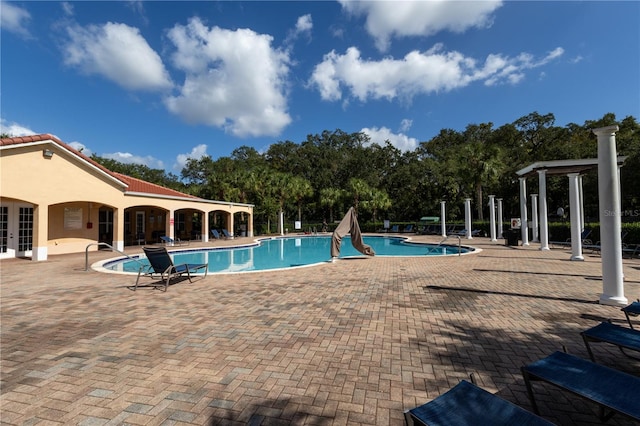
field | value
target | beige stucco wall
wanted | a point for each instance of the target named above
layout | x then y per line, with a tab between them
66	181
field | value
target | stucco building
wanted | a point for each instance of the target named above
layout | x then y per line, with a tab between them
55	200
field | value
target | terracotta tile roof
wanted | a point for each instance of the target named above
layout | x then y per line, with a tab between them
134	185
141	186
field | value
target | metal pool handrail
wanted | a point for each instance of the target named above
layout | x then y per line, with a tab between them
86	254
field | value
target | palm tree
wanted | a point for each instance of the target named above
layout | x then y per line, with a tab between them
299	188
330	197
379	201
360	191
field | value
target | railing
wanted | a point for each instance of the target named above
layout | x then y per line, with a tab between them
445	239
86	254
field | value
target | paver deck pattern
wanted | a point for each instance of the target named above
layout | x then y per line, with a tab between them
355	342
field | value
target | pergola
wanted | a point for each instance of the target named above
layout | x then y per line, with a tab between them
573	169
608	164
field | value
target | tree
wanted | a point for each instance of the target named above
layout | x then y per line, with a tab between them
330	197
299	188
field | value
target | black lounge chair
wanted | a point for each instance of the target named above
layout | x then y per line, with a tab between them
622	337
610	389
161	267
467	404
215	234
632	310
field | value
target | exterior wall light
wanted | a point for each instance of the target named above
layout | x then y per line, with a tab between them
47	153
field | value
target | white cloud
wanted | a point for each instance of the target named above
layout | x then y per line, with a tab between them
304	24
117	52
14	129
383	134
405	125
79	146
196	153
67	8
387	19
234	80
128	158
417	73
14	19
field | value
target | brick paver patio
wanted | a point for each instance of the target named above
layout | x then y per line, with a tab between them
355	342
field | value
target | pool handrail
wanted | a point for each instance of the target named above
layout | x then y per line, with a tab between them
86	254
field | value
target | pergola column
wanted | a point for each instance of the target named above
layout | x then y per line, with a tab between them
442	218
610	223
39	247
523	212
500	218
492	216
534	218
544	224
204	232
574	217
467	217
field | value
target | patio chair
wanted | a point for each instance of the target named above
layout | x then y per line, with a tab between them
611	389
226	234
632	310
408	228
395	228
622	337
467	404
161	266
171	242
215	234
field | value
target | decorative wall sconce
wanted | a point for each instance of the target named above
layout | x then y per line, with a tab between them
47	153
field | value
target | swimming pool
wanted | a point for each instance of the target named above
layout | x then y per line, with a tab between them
283	252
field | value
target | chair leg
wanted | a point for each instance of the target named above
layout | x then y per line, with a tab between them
527	382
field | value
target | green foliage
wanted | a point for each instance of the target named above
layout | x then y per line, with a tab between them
322	176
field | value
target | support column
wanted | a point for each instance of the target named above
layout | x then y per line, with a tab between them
523	212
39	247
534	218
467	217
500	219
118	228
610	223
442	218
543	229
250	225
574	217
231	225
171	224
492	217
205	229
581	199
281	222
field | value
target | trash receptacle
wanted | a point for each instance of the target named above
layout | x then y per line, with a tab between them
511	237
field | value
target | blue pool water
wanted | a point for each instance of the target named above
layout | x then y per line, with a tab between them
286	252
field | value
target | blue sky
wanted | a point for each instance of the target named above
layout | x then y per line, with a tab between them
159	82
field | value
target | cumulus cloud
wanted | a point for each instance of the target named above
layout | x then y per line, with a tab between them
79	146
387	19
383	134
14	19
128	158
14	129
117	52
234	80
196	153
433	71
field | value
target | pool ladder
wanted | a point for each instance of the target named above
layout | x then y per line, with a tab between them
445	239
86	254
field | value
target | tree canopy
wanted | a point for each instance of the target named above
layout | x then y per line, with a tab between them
320	177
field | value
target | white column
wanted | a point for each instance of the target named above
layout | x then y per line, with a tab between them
500	219
442	218
281	222
543	229
205	225
172	224
574	217
523	212
492	216
467	217
581	198
534	218
610	224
